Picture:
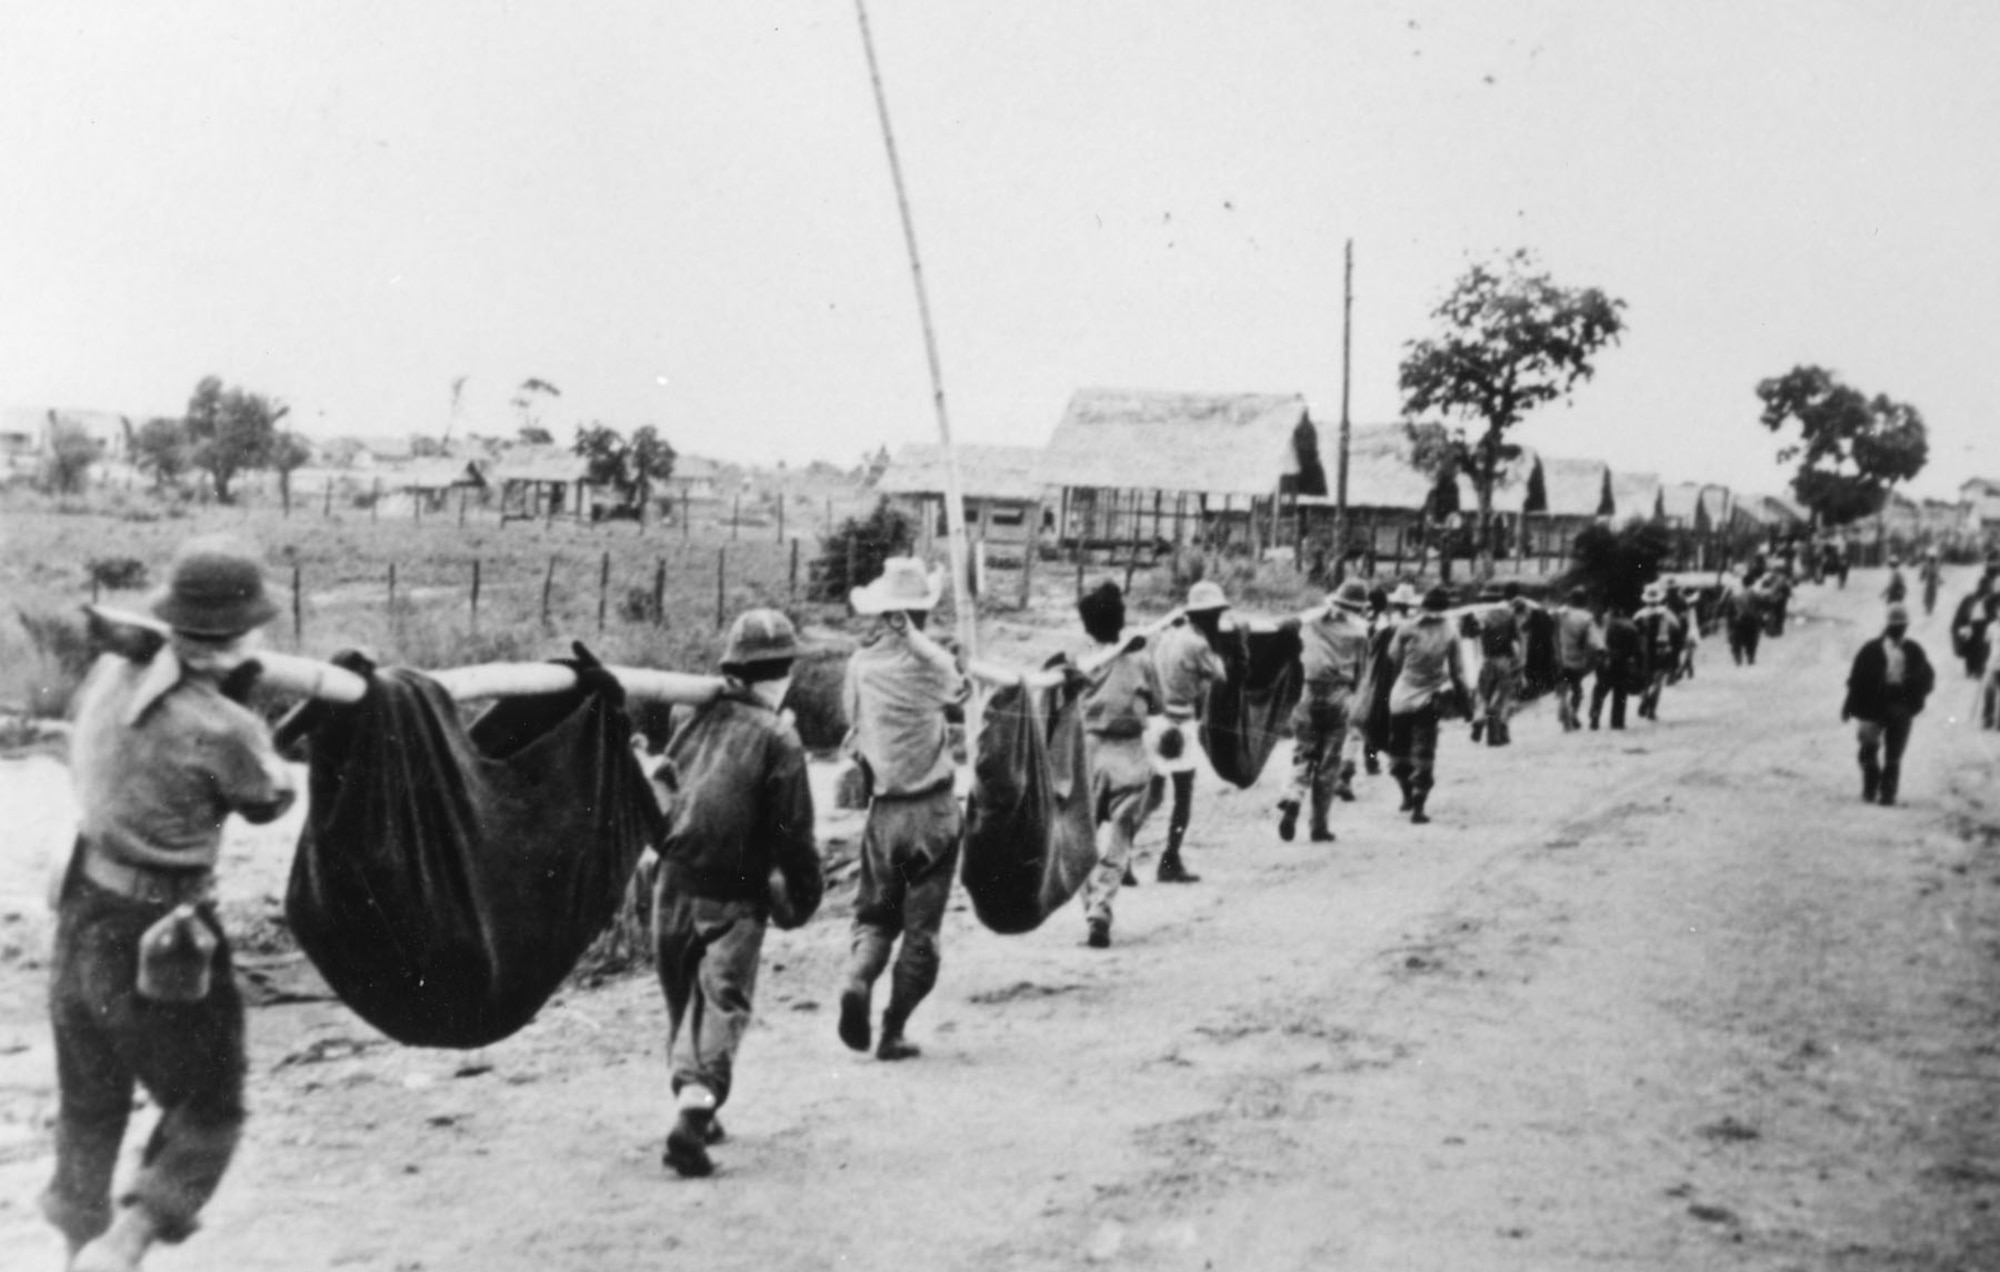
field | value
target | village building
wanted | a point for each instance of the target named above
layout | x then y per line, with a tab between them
439	485
1519	490
1576	494
541	483
1000	486
1980	499
1149	470
1637	497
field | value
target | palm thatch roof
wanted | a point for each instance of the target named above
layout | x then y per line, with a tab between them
1637	497
1199	443
1577	488
984	472
1695	505
1381	469
1518	487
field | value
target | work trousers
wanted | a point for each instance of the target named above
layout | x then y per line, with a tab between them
1183	807
1744	634
1881	753
1569	697
1413	747
1319	734
909	855
1499	681
1614	689
188	1056
708	952
1120	800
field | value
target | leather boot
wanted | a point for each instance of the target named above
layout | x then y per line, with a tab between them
1171	868
1409	796
687	1142
1417	813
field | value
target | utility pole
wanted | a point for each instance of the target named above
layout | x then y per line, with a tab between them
1346	428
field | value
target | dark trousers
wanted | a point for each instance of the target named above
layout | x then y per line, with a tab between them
708	956
1569	696
1606	687
1744	634
1881	753
909	854
1413	748
1183	809
188	1056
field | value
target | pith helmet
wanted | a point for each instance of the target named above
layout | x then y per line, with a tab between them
1653	594
903	585
1352	596
760	635
1205	596
215	587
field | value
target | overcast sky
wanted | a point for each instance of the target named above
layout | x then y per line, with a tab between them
681	213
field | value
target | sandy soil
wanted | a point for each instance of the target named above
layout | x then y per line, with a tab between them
1667	998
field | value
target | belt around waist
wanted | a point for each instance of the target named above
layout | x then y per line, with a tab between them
150	884
903	797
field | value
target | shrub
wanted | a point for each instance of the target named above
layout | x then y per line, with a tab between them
853	554
1616	565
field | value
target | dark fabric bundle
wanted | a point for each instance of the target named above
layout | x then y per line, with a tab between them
1029	837
448	878
1540	670
1247	712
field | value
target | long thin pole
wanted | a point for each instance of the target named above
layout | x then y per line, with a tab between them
954	489
1346	429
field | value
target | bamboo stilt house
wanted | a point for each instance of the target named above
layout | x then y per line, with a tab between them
999	484
1142	469
1637	497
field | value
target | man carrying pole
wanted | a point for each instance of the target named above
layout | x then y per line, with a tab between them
1334	657
899	683
142	990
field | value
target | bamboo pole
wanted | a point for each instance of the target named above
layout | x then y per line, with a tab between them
548	585
603	588
721	567
954	488
1346	429
298	607
475	594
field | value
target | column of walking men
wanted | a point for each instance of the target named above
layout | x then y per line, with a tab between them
164	751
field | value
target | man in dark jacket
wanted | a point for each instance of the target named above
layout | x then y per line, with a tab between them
1622	670
1885	692
738	853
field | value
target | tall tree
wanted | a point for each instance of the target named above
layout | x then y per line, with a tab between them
1851	450
1509	339
531	399
230	430
288	453
160	447
649	460
631	466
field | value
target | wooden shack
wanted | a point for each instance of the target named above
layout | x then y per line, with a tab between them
1575	494
542	484
1145	470
999	484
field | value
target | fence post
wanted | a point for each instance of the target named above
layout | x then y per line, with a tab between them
850	561
375	504
461	507
721	556
795	572
735	516
327	511
603	589
781	516
392	585
548	582
660	592
475	588
298	608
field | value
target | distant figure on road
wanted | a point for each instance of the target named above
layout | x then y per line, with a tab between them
1430	680
1898	589
1661	637
1886	690
1188	658
1743	614
1334	657
1502	642
1971	625
1579	648
1932	575
1622	670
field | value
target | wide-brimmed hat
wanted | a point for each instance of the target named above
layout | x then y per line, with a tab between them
759	636
1205	596
1653	595
1405	595
903	585
1351	596
215	587
1438	599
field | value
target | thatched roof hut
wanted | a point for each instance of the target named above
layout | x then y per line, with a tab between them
998	473
1691	505
1518	487
1382	474
1578	489
1637	497
1238	444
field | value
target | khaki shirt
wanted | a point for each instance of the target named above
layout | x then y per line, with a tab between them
1186	666
155	790
1333	651
895	695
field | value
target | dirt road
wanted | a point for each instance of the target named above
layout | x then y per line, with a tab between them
1666	998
